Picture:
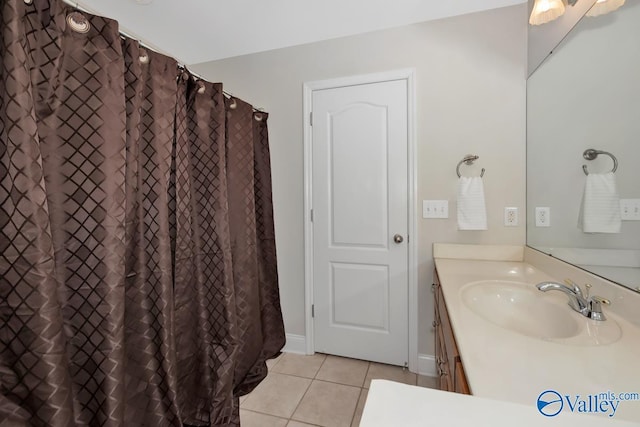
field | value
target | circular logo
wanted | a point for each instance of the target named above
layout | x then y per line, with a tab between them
550	403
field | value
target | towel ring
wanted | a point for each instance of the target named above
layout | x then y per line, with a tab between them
468	160
591	154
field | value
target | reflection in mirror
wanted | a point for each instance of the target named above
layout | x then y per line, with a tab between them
586	95
543	38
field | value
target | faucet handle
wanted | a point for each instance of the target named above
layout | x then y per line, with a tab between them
595	309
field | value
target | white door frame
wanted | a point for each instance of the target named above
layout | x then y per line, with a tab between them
409	76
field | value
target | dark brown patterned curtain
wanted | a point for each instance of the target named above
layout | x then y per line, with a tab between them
138	279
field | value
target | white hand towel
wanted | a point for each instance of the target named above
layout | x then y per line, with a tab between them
601	204
472	213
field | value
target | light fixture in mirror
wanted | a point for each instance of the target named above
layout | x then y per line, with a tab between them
546	11
542	39
603	7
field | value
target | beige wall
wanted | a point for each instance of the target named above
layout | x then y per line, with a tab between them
470	78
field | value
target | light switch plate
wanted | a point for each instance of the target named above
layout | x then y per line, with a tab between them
435	209
630	209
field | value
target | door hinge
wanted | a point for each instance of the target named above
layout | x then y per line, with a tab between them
311	118
313	310
311	215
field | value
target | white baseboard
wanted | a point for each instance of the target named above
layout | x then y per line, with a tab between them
427	365
298	344
295	344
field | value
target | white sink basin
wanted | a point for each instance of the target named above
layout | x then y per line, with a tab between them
521	308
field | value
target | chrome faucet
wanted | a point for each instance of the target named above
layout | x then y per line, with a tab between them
590	307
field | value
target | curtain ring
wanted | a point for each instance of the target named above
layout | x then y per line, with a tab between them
78	22
28	2
258	117
144	56
233	105
201	87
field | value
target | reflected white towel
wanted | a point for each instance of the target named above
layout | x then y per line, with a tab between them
472	213
601	204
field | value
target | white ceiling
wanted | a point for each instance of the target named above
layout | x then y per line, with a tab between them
195	31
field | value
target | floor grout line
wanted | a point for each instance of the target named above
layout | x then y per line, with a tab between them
326	356
268	415
355	410
301	399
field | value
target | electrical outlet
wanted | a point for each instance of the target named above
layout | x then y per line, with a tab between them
435	209
510	217
543	217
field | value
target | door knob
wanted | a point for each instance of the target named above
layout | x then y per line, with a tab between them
398	238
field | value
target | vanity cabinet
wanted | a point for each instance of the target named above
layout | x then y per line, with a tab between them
448	362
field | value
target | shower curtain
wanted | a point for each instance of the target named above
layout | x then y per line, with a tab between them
138	279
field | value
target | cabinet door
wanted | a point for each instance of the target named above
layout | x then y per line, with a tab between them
443	367
442	362
460	380
447	332
448	361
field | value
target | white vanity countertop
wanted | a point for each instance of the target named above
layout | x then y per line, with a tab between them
394	404
504	365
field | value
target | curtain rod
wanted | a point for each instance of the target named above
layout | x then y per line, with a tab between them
123	33
146	45
224	92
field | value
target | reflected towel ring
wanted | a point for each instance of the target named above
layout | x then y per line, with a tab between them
591	154
468	160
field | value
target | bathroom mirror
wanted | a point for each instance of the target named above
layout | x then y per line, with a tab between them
586	94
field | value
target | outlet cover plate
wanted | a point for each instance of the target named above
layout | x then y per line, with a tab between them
511	217
543	217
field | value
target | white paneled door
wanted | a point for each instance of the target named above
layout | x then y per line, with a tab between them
360	221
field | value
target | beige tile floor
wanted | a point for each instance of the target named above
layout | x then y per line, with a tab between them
318	390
